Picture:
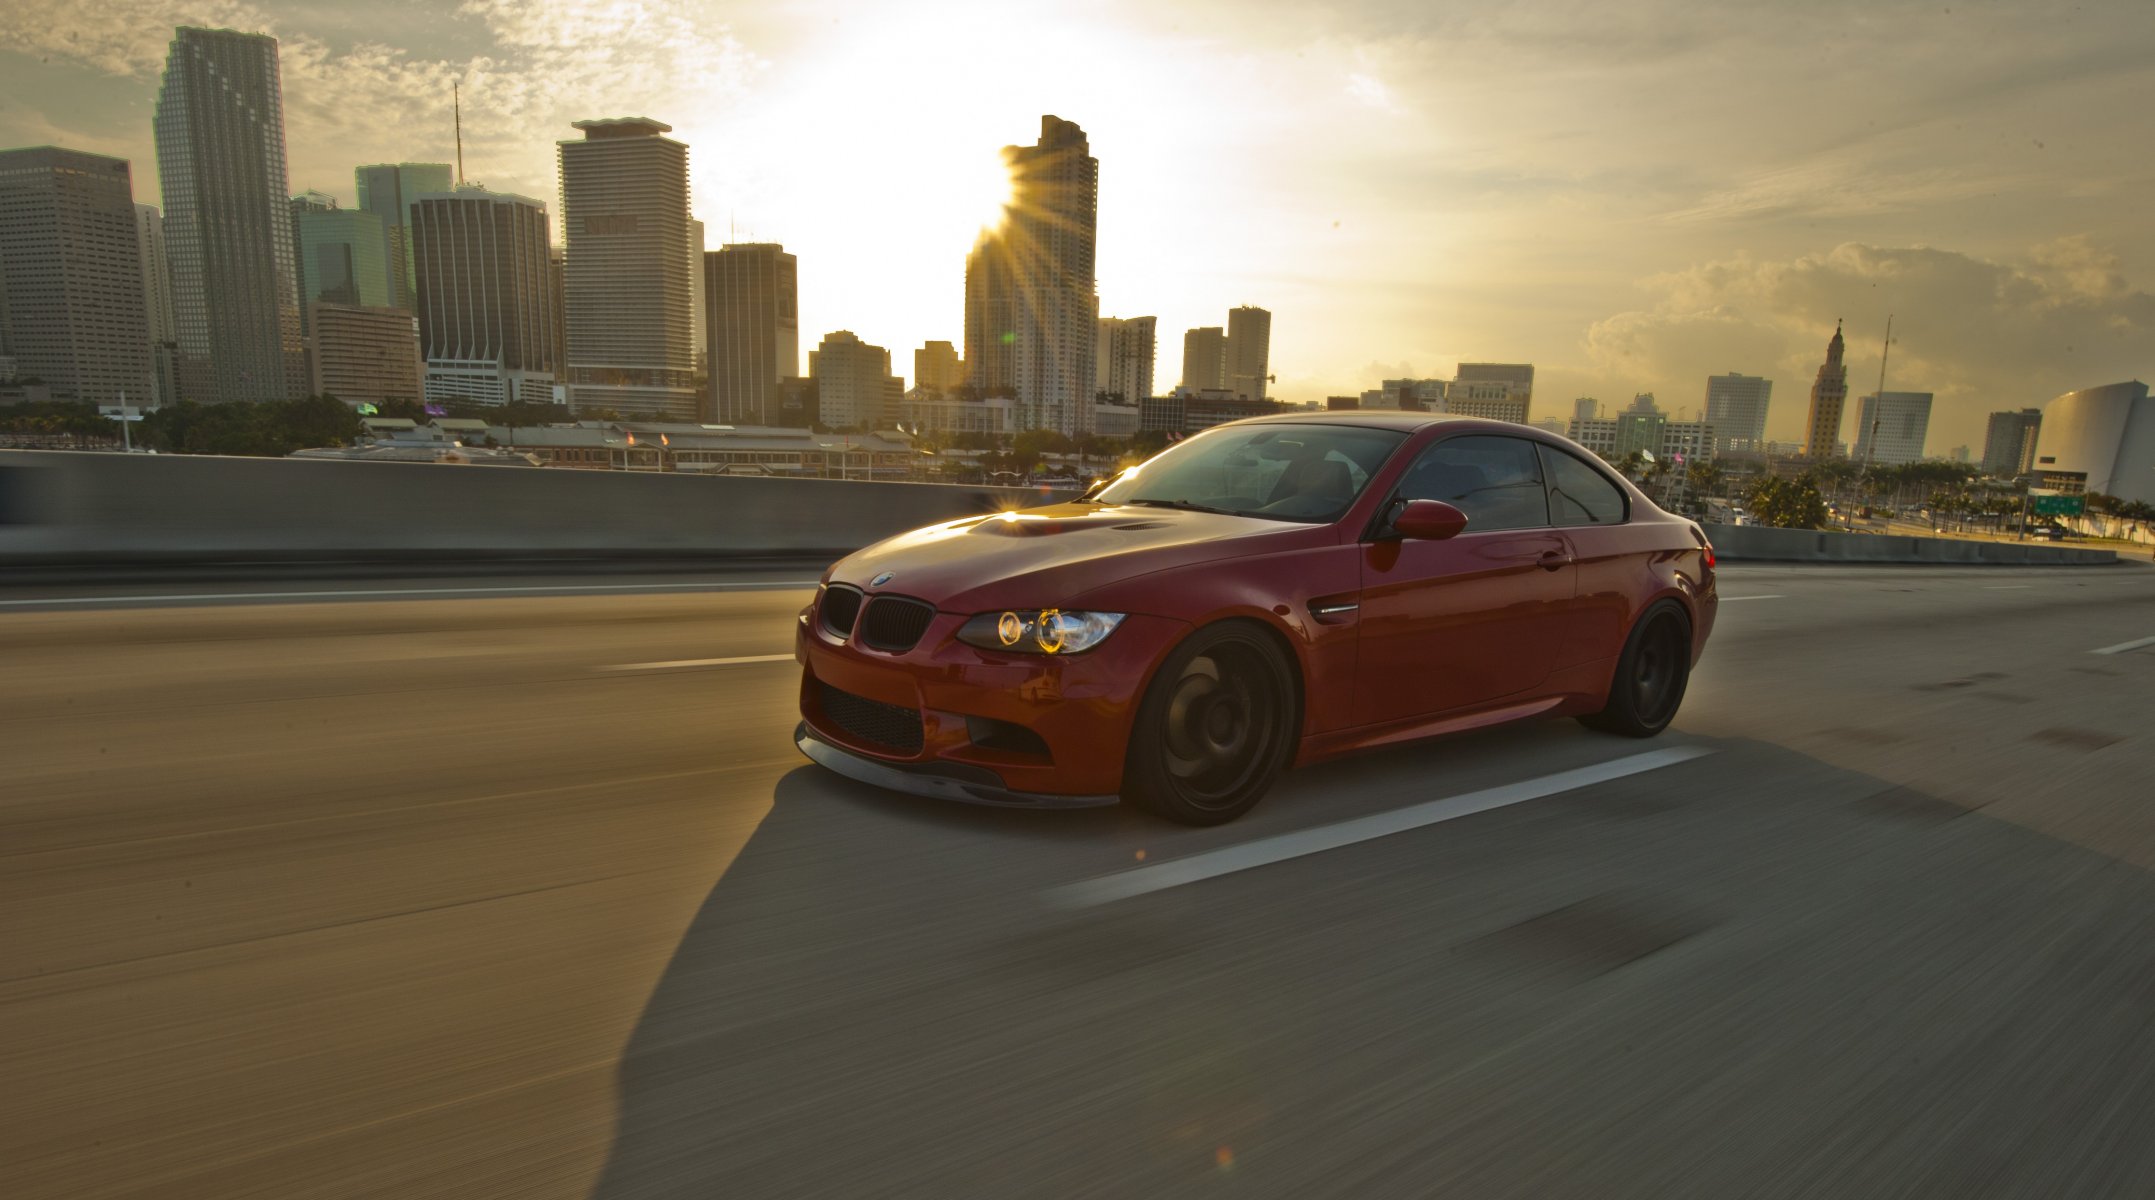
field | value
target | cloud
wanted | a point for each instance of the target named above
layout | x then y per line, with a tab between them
1978	333
117	37
531	68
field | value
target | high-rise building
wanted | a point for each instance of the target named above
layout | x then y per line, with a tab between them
752	306
487	304
228	228
1829	395
1585	408
1128	348
1030	299
1892	432
343	255
1249	351
624	203
2100	439
389	191
937	368
699	330
157	303
72	309
156	272
1204	359
557	264
2009	443
852	381
1496	391
1736	408
362	354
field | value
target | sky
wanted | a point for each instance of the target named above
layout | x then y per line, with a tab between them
1632	197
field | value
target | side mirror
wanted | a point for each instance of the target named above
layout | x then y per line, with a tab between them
1428	521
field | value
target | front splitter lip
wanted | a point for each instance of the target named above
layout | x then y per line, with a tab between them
929	779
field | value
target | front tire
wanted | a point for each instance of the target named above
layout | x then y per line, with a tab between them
1651	675
1215	728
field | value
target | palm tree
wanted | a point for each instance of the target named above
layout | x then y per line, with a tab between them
1706	479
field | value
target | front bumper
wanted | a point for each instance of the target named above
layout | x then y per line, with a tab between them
943	780
1080	706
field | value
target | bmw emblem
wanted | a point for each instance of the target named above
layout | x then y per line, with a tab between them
882	579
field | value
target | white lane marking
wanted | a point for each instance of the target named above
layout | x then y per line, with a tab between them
678	663
2122	647
1211	864
584	588
1775	596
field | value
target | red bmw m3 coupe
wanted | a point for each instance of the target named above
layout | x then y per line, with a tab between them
1264	594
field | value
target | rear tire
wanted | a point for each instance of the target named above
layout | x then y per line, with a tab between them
1216	727
1651	675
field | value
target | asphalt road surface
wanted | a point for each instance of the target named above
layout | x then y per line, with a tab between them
520	889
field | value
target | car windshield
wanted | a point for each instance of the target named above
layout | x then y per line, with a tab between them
1285	472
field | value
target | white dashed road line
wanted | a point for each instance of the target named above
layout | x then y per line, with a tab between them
2122	647
1212	864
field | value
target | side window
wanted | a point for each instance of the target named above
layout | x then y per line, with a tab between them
1496	481
1579	494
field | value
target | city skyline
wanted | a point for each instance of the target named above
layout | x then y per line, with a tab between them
1633	242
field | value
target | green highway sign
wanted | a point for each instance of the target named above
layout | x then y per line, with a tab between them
2058	506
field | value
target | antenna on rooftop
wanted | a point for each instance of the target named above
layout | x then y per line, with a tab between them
456	101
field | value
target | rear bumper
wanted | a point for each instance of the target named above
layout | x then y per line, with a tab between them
963	782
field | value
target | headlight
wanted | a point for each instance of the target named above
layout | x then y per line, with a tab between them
1039	630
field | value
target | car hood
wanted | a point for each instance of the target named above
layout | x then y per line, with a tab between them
1054	555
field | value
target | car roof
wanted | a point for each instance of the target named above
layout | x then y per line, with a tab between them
1385	418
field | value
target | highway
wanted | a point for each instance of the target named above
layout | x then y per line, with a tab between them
518	888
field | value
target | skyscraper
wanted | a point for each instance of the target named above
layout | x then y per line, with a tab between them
156	272
1128	348
389	191
1829	395
1892	432
343	255
72	309
752	311
1249	351
486	297
852	381
1030	300
699	331
624	203
2009	442
157	302
937	367
228	228
1204	359
1736	408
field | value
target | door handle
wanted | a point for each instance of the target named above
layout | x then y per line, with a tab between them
1552	559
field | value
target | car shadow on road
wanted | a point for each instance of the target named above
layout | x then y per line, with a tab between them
1752	972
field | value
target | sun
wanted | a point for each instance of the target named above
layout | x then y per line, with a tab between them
989	190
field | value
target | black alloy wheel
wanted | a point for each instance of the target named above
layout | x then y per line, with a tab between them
1216	727
1650	676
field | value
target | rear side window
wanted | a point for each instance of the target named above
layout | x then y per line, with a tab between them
1496	481
1579	494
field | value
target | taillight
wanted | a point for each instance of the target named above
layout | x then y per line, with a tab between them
1708	551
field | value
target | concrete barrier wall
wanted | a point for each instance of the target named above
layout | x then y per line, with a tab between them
90	508
1741	543
103	508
